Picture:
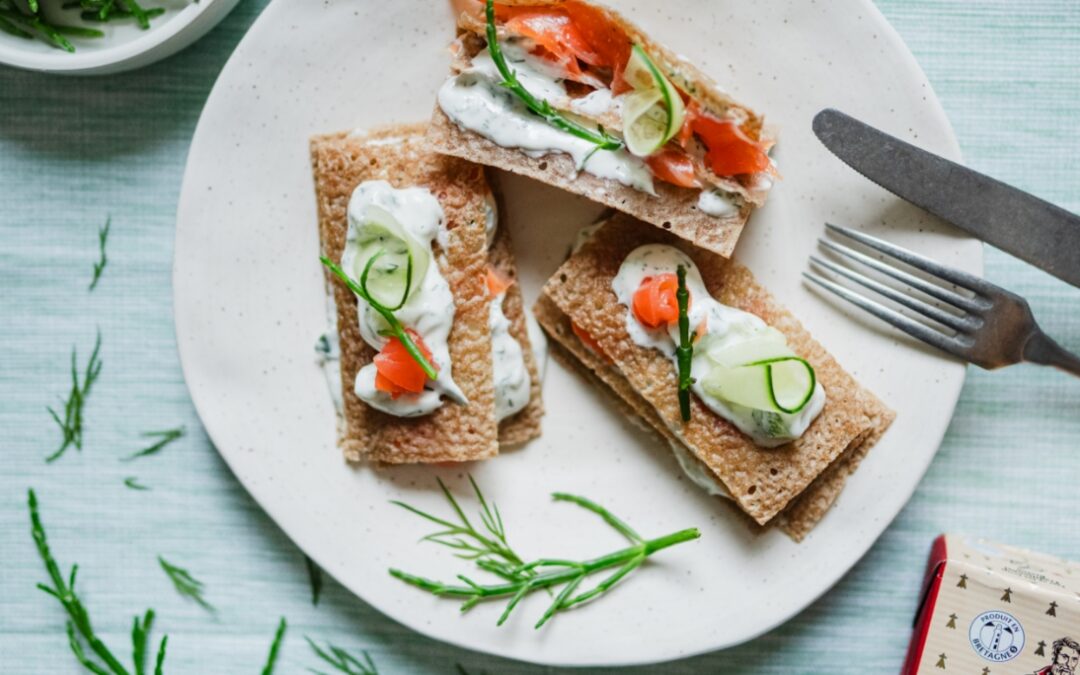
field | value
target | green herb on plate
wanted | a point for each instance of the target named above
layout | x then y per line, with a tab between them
488	548
275	647
314	579
99	660
99	266
133	483
602	139
544	573
185	584
343	661
71	424
164	438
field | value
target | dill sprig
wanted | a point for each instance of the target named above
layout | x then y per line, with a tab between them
186	585
315	579
489	549
99	266
133	483
602	139
71	424
387	313
545	573
164	438
684	353
342	660
79	628
275	647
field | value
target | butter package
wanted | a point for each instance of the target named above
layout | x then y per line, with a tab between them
991	609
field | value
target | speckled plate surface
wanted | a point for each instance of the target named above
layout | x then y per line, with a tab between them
249	305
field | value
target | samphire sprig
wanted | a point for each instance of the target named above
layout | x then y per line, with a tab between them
71	424
343	661
489	548
99	660
547	573
27	20
684	353
602	139
275	648
387	313
99	266
185	584
164	438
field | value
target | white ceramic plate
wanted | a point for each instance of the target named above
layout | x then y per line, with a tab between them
249	305
125	46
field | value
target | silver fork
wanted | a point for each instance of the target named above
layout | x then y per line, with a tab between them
991	327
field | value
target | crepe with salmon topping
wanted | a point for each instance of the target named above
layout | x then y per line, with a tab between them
700	179
454	431
792	485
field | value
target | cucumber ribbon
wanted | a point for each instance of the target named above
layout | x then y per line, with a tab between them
761	373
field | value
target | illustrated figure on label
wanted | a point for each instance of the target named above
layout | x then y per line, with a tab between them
1066	658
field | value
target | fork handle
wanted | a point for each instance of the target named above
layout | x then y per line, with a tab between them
1042	349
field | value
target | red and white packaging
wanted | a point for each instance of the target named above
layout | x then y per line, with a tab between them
990	609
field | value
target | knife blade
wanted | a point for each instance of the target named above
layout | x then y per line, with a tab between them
1029	228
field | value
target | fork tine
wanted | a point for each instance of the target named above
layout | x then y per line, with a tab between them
933	290
957	323
968	281
913	328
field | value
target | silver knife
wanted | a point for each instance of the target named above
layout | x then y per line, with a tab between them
1031	229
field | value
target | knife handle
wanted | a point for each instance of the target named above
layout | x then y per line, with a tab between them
1042	349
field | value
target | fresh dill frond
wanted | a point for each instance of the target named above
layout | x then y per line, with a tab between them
342	660
315	579
133	483
164	438
186	585
71	425
522	579
99	659
99	266
275	646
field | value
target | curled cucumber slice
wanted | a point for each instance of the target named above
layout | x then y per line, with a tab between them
761	374
398	262
654	112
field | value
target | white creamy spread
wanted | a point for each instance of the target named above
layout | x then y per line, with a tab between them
716	203
538	342
509	373
724	325
597	103
698	474
476	100
429	309
585	234
511	377
328	354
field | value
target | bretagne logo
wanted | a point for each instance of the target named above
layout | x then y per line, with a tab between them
996	636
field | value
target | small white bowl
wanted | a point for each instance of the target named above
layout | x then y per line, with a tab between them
125	46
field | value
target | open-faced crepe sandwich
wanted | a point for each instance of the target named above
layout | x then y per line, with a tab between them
436	363
571	94
767	418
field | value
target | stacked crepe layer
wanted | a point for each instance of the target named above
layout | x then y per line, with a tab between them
793	485
453	433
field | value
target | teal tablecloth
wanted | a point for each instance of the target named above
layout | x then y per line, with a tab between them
74	151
